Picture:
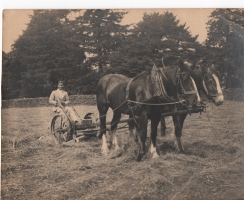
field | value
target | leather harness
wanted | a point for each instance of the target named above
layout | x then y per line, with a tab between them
161	91
128	89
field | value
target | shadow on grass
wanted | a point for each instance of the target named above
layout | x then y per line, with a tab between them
200	149
166	147
204	149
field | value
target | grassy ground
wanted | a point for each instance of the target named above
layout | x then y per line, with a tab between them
34	167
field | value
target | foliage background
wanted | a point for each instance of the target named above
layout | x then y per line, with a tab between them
81	50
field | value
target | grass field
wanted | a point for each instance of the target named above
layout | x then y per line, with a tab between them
34	167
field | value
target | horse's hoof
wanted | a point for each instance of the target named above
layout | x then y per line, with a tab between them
180	151
105	153
139	157
155	155
99	135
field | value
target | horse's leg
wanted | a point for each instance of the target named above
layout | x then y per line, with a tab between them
154	124
132	133
114	123
117	150
102	114
178	133
182	119
142	134
163	126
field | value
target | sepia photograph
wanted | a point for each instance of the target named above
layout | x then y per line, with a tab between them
122	104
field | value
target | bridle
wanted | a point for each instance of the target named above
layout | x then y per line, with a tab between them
185	92
206	89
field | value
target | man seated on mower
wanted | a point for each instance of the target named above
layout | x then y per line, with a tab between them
60	99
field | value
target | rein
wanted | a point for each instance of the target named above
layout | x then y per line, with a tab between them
155	104
66	112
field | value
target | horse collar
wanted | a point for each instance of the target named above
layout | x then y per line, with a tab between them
161	91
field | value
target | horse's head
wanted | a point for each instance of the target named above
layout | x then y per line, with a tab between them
208	82
177	84
187	87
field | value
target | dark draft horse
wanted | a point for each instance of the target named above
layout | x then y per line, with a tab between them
207	83
145	97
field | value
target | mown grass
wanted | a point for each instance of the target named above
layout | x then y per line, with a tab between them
34	167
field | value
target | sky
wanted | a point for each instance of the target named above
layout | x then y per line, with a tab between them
15	12
15	21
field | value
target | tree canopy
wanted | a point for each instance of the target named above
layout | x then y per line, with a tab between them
225	43
156	36
45	53
55	47
80	50
100	34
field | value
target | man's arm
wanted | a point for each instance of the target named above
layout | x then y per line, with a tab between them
52	99
66	99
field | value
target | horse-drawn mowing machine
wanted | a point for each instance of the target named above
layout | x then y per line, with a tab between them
64	129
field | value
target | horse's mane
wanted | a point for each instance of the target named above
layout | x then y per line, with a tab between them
147	71
170	69
144	73
205	65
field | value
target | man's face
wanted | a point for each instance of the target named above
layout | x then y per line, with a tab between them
60	86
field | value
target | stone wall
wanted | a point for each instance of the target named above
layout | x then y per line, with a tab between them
236	94
43	101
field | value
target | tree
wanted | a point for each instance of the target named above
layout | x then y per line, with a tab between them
156	36
225	43
100	33
9	78
47	52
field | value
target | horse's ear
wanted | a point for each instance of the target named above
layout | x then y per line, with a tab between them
212	67
208	70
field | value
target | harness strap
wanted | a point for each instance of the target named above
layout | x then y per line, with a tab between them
162	72
204	86
191	92
161	91
128	89
184	91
